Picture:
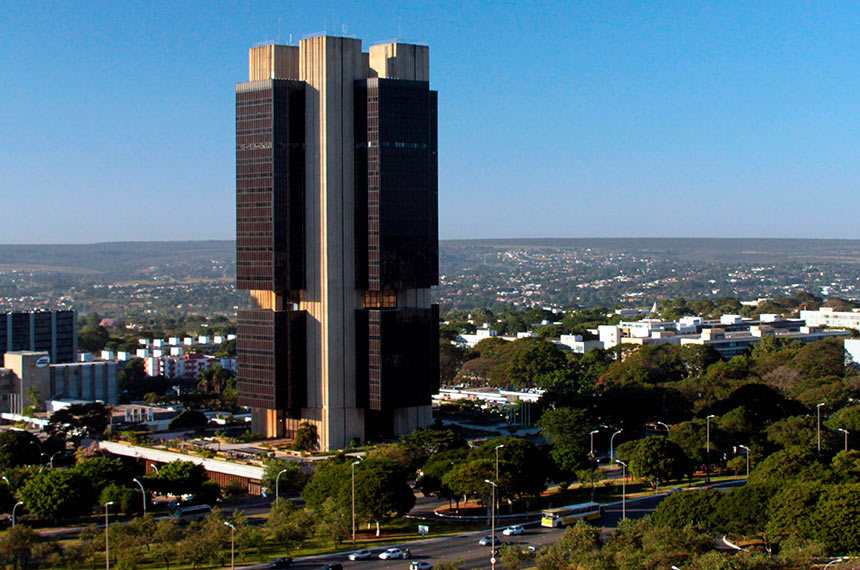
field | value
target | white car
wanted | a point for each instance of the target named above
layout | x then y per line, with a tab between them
488	540
391	554
360	555
420	565
512	530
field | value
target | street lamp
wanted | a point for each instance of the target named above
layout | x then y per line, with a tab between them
107	536
493	526
354	463
143	493
7	481
664	425
845	431
277	487
39	445
708	447
832	562
818	431
498	447
52	457
232	545
13	510
591	455
611	444
748	459
623	489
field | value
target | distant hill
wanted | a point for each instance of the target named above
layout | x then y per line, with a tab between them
134	257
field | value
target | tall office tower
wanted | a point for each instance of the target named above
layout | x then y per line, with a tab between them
337	239
53	331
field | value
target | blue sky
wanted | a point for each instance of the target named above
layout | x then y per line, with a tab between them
569	119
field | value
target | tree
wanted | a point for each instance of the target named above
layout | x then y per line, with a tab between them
423	443
16	545
744	511
166	538
796	431
531	358
306	437
291	480
18	447
289	524
790	509
126	499
522	466
467	479
429	480
178	478
836	520
188	419
381	491
567	430
93	338
102	472
696	507
451	357
331	480
512	556
56	494
79	421
789	463
658	459
333	521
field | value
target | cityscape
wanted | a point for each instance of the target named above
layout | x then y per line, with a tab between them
594	306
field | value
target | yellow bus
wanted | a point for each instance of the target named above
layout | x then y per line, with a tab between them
563	516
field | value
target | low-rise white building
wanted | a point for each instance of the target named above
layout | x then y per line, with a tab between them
827	317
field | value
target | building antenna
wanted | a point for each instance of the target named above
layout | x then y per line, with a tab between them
291	39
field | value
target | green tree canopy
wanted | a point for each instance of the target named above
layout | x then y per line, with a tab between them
694	507
57	494
178	478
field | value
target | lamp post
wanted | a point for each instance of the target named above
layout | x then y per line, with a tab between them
143	494
277	481
748	458
107	536
19	503
612	444
232	545
7	480
354	463
493	526
708	447
39	445
498	447
818	430
845	431
52	458
623	489
591	455
832	562
664	425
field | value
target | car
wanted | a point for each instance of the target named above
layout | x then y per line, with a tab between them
488	540
363	554
282	562
420	565
676	490
392	553
512	530
332	566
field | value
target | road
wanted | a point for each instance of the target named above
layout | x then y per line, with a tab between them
466	548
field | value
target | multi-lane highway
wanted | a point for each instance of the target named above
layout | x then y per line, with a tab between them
466	548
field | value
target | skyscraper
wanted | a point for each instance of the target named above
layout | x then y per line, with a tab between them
337	239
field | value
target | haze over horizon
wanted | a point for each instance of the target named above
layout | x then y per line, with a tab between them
555	120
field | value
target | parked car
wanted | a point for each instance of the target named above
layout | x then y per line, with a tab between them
512	530
392	553
282	562
363	554
488	540
420	565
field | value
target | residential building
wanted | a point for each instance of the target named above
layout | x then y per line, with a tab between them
337	239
